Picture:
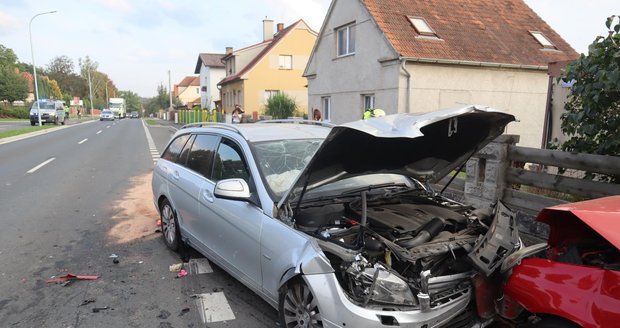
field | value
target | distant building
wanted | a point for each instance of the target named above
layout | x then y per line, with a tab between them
211	70
420	56
188	90
273	66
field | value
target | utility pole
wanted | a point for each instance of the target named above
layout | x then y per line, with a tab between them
90	88
107	99
170	94
34	67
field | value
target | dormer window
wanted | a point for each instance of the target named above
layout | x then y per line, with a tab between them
422	27
542	39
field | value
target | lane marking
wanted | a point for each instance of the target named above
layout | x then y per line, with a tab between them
107	127
213	307
99	131
152	149
41	165
83	141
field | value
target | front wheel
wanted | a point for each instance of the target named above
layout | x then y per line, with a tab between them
298	307
170	226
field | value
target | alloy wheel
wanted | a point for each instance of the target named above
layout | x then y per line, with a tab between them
168	225
300	307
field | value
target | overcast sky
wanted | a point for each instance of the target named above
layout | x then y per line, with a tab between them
136	42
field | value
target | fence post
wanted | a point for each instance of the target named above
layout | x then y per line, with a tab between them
486	172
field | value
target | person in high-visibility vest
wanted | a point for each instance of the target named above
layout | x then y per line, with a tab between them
373	112
66	112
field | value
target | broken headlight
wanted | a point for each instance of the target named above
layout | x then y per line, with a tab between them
388	288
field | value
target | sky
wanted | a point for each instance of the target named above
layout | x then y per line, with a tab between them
136	42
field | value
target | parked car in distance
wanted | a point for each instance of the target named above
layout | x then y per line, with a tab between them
134	114
338	226
52	111
106	115
572	280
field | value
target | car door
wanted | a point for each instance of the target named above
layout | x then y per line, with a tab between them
233	227
183	186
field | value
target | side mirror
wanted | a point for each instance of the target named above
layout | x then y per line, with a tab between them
234	189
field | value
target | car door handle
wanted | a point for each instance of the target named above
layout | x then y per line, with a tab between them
207	195
175	175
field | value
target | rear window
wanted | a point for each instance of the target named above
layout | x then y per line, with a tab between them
44	105
174	150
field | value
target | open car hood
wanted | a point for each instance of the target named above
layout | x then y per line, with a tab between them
602	215
423	146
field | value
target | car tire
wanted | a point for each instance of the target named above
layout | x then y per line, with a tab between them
298	307
31	123
170	226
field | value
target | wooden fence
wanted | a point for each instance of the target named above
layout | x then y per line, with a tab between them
508	172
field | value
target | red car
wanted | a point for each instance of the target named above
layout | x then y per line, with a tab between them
577	280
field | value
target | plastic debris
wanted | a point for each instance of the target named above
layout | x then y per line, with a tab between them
71	276
176	267
182	273
87	301
100	309
183	311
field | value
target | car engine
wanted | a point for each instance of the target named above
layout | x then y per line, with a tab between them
402	250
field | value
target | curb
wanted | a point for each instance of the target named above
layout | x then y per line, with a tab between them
38	133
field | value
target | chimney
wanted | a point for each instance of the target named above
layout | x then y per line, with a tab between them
267	29
228	50
280	27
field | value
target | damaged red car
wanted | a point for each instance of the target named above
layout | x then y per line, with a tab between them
574	279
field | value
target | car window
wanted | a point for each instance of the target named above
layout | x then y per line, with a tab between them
174	150
201	154
185	153
229	162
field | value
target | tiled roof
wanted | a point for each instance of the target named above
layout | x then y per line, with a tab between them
189	81
274	41
209	59
495	31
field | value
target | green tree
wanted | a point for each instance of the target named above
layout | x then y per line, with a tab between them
280	106
7	56
55	90
133	101
13	86
592	113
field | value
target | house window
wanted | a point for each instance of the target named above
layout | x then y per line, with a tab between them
268	94
422	27
197	91
346	40
542	39
285	62
326	102
369	102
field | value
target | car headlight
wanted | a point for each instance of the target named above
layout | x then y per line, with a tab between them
389	288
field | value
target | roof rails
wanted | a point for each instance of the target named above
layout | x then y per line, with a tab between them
212	125
293	120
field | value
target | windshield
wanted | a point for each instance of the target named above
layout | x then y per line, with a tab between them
281	161
115	105
44	105
106	112
362	181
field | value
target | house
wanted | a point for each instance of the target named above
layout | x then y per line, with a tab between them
419	56
273	66
211	70
188	90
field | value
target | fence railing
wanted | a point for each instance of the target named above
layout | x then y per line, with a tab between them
187	116
526	179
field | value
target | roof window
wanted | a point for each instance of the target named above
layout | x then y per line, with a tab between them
542	39
421	26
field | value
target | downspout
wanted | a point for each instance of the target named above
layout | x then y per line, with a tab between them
403	65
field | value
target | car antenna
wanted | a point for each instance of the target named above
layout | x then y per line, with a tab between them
452	179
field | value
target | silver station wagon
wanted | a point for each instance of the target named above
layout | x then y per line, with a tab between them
337	226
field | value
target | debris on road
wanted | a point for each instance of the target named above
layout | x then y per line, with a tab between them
182	273
87	301
71	276
95	310
163	314
114	258
183	311
176	267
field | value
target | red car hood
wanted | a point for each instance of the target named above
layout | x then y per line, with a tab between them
602	215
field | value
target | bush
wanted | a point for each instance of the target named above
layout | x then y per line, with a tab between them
280	106
14	112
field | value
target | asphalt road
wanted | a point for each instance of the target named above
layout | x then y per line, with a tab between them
73	197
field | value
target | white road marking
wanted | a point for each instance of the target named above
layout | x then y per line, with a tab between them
213	307
199	266
107	127
149	139
83	141
41	165
99	131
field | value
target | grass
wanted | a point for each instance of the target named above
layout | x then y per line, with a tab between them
12	119
16	132
151	121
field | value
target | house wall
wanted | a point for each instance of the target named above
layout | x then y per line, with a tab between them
187	94
209	77
522	93
345	79
233	93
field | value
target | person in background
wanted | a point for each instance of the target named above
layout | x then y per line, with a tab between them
66	111
237	114
373	112
316	115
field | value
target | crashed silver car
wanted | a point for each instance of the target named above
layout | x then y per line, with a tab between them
338	226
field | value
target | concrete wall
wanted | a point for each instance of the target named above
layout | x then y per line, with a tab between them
522	93
559	96
345	79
